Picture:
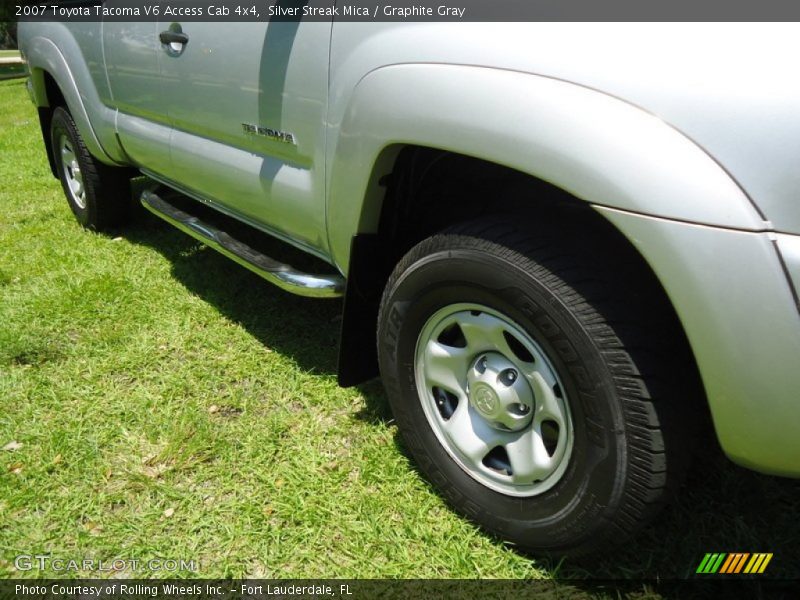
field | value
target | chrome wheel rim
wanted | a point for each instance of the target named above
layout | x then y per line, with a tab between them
493	399
72	172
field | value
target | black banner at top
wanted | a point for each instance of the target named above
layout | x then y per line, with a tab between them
400	10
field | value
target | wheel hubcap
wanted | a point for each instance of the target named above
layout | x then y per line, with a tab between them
72	172
498	393
493	399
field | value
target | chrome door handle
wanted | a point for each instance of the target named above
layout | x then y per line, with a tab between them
173	37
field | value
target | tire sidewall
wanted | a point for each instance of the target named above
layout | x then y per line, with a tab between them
573	508
62	124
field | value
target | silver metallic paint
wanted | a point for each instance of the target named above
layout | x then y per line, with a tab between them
46	46
590	144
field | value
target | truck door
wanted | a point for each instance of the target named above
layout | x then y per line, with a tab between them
130	53
247	103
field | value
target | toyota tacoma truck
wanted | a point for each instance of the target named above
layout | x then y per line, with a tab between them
563	247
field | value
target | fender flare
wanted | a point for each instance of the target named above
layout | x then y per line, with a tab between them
45	57
597	147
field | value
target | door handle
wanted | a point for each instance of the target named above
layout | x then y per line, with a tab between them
173	37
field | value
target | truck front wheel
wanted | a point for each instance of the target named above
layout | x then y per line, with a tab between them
99	195
525	393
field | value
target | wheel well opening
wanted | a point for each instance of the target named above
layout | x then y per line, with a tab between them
429	190
54	96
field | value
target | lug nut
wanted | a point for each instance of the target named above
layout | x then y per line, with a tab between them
519	409
508	376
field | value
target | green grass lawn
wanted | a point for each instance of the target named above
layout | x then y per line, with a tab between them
7	53
171	404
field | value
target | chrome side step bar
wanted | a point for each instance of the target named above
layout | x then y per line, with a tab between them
280	274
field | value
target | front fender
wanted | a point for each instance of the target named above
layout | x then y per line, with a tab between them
94	120
595	146
736	306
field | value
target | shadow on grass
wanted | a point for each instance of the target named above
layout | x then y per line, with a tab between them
305	329
722	507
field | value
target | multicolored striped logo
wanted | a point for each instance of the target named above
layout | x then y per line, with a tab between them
733	563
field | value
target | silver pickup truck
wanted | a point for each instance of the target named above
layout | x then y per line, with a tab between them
564	247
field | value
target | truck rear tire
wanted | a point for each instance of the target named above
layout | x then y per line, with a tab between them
99	195
526	393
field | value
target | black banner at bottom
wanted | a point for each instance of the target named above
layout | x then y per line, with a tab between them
371	589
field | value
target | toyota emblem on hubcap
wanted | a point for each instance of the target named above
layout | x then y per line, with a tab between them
486	400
